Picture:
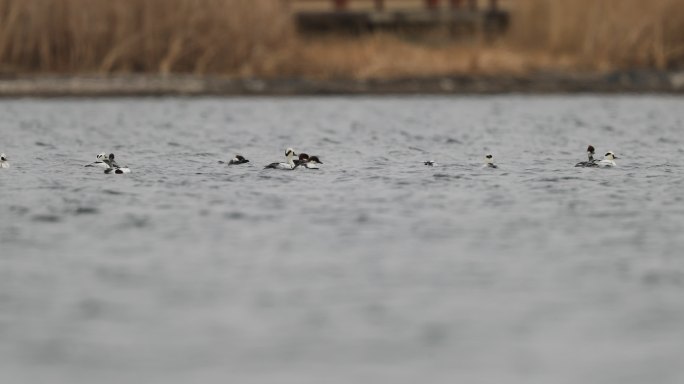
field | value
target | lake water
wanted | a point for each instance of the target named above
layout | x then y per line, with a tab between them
373	269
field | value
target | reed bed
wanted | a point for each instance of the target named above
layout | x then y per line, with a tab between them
603	34
243	37
257	38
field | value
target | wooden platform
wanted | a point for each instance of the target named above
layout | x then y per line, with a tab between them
348	16
360	22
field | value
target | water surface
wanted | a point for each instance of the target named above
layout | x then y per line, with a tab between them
374	268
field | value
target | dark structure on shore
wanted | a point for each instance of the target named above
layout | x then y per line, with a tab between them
457	16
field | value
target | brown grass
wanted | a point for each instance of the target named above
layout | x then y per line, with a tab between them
160	36
389	56
604	34
256	38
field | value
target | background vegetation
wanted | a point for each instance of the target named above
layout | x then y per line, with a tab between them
257	38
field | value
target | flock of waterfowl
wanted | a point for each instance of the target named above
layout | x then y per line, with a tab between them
304	160
312	162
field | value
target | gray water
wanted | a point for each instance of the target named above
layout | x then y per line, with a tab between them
373	269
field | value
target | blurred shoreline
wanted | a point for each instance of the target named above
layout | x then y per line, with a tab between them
237	47
191	85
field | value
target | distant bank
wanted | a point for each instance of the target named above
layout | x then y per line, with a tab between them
185	85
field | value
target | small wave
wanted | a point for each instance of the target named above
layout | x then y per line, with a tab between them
134	221
41	144
18	209
668	140
234	215
47	218
557	179
330	141
112	192
86	211
446	176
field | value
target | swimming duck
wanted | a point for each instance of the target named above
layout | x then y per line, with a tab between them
113	167
100	161
489	162
238	159
288	165
302	159
608	160
591	162
313	162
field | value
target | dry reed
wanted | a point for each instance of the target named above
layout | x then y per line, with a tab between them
603	34
241	37
257	38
